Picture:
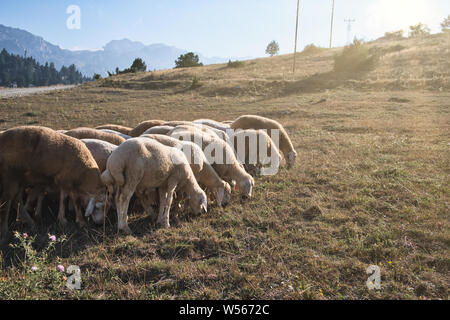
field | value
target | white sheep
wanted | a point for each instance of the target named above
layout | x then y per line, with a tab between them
141	164
258	122
255	149
219	154
100	150
203	171
214	124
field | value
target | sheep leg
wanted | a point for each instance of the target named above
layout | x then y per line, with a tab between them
23	210
123	198
9	197
38	210
4	227
165	201
62	209
79	214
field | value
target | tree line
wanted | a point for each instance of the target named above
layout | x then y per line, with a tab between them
24	71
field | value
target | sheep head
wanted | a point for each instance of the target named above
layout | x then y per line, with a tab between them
290	159
198	202
246	185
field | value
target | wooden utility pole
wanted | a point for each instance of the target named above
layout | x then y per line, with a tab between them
331	31
296	31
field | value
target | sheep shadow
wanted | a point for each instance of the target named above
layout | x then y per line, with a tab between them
78	239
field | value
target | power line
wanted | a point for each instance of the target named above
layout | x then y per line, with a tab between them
331	31
296	31
349	28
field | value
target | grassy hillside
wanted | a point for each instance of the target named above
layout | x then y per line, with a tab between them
370	186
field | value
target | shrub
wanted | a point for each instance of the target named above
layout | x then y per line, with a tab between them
97	76
445	25
138	65
394	35
418	30
195	83
312	49
188	60
235	64
355	57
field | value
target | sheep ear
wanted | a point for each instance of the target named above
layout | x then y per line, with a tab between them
90	207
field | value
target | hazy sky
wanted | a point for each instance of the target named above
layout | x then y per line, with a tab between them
223	28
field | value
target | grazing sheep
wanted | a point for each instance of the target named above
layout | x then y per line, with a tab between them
214	124
89	133
255	149
203	171
41	156
258	122
142	164
209	130
144	126
158	130
116	127
125	136
220	155
100	150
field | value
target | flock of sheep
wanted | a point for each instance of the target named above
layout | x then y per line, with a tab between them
161	162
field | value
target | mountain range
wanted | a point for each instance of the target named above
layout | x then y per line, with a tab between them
116	53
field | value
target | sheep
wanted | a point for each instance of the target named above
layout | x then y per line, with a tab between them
100	150
255	149
89	133
142	164
212	131
214	124
158	130
220	155
41	156
144	126
258	122
116	127
125	136
203	171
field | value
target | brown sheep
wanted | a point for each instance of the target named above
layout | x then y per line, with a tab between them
258	122
116	127
41	156
144	126
89	133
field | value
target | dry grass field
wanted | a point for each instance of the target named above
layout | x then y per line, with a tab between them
370	187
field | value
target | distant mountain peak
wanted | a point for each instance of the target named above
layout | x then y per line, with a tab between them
116	53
